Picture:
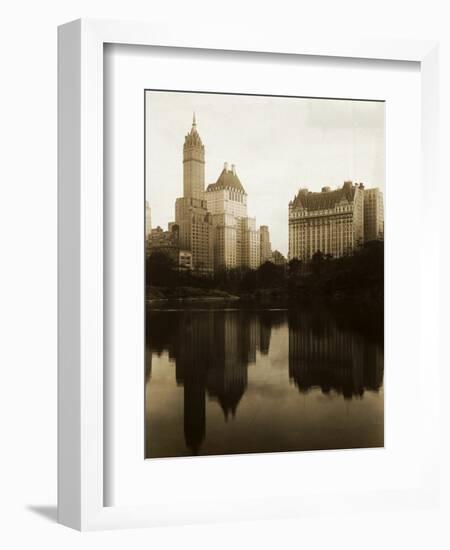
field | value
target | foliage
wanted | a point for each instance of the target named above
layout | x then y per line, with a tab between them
358	277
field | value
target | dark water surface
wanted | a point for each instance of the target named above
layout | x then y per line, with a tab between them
223	381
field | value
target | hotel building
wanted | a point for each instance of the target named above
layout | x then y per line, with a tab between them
227	202
236	239
331	221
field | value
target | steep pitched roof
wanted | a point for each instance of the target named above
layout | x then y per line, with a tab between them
193	139
324	200
227	179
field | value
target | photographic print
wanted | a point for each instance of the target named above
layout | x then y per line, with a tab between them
264	273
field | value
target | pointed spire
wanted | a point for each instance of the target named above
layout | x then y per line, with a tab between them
192	138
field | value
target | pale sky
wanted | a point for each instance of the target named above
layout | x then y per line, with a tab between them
277	144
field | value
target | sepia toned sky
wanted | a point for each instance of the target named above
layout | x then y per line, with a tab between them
277	144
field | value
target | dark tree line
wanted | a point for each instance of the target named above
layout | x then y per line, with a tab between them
358	274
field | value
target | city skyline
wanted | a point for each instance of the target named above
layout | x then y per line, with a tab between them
334	137
256	343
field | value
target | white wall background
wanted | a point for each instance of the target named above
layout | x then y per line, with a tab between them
28	269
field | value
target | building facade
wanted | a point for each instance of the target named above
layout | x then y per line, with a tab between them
373	215
196	231
227	202
250	244
331	222
168	243
148	220
277	258
265	248
236	239
211	225
165	242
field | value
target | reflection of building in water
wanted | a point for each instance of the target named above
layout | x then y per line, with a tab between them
265	330
325	356
373	366
227	377
148	362
251	334
212	351
193	358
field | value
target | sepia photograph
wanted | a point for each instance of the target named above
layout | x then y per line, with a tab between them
264	273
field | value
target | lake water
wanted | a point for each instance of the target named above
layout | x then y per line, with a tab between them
224	381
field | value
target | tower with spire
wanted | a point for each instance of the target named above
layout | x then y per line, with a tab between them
193	164
196	231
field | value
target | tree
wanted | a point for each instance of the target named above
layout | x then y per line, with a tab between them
318	262
269	275
248	282
294	268
160	270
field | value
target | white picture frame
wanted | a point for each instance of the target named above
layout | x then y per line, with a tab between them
81	360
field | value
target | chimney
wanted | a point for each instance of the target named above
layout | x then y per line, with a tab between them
233	169
225	166
325	189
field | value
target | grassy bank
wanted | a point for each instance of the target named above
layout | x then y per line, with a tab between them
154	293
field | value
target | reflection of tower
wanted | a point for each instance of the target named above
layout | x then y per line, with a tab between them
191	214
194	410
211	350
227	378
265	330
148	362
253	338
192	362
373	366
325	356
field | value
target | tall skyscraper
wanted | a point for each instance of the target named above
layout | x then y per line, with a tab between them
227	203
264	244
213	224
250	245
236	240
193	164
191	214
331	222
373	214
